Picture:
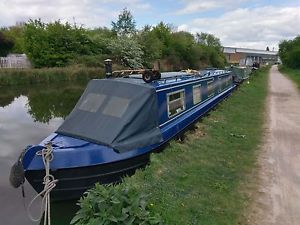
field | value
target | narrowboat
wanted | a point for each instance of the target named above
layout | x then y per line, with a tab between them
240	73
118	122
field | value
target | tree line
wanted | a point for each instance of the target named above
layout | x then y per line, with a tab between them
289	52
58	44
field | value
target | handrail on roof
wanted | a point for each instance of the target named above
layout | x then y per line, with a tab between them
188	73
148	75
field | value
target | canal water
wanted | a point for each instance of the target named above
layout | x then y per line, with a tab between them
28	115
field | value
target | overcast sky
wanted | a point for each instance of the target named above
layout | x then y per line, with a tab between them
239	23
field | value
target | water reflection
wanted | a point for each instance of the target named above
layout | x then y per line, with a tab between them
27	115
45	102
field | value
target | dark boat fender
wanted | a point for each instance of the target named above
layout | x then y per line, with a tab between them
17	174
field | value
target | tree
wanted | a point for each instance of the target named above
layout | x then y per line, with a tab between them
127	51
125	25
16	34
208	40
163	32
182	45
211	49
55	44
151	45
289	52
6	44
101	37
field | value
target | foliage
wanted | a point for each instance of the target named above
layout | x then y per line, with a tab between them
150	45
208	40
180	49
163	32
16	34
289	52
6	44
120	204
10	77
294	74
101	38
55	44
212	49
127	51
89	60
125	25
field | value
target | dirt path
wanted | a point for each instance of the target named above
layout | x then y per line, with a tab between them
278	200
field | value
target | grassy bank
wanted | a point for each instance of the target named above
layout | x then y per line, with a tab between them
203	179
10	77
294	74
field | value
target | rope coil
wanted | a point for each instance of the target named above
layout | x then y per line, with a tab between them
49	184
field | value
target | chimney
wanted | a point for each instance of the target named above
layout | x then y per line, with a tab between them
108	68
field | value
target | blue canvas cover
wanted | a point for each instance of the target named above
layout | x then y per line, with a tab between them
117	113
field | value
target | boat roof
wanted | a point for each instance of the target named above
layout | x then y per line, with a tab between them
169	79
115	114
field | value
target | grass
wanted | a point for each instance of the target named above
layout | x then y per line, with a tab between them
293	74
203	180
11	77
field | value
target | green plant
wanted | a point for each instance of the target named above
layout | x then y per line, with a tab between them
6	44
294	74
55	44
127	51
10	77
115	204
125	25
289	52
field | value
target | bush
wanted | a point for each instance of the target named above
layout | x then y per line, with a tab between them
90	60
9	77
127	51
289	52
55	44
120	204
6	45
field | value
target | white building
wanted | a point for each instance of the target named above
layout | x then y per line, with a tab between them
245	56
15	61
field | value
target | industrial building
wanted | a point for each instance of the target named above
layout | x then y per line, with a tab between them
245	56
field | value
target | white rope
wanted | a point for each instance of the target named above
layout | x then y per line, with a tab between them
49	183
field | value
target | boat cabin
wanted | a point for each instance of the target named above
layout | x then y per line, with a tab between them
118	122
129	113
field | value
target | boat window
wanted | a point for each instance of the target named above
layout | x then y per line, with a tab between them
210	89
176	102
228	81
225	83
116	107
197	94
92	102
220	83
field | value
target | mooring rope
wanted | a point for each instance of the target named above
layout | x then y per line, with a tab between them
49	183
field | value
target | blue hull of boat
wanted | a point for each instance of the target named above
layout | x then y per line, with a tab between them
79	163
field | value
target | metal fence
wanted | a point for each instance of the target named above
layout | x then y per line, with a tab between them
15	61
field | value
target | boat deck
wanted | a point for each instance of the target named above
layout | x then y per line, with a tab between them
169	78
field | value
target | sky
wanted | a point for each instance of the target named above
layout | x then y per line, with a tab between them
237	23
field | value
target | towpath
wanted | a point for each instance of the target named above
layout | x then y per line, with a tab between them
278	199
